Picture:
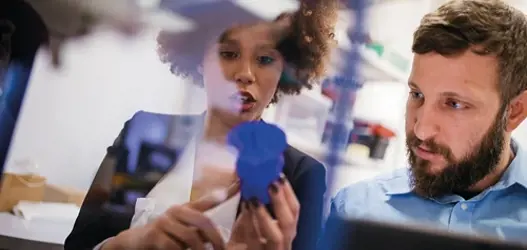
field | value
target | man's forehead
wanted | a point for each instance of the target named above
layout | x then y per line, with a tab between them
465	71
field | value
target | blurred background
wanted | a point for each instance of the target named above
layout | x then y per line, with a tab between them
107	77
71	115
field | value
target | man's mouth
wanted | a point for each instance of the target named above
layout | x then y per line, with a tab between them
426	154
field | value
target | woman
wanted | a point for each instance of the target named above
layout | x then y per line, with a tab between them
265	60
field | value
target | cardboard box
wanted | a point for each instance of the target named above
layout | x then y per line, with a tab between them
18	187
54	193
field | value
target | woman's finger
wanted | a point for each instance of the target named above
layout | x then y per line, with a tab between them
290	196
251	230
245	231
214	199
202	224
270	230
187	236
284	215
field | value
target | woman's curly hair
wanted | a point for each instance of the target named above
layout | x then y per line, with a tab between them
305	46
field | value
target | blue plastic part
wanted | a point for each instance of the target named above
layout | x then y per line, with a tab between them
260	157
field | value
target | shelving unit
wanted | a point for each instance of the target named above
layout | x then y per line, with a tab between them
373	66
319	151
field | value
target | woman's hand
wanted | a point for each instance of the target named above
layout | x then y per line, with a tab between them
256	229
181	227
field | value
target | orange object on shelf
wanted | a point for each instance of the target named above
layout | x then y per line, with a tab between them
382	131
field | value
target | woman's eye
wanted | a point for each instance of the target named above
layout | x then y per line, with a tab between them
265	60
228	55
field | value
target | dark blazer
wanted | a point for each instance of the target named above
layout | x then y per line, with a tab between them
99	219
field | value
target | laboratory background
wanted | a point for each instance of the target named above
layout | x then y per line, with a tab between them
70	115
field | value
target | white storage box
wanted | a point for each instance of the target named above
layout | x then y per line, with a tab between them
304	115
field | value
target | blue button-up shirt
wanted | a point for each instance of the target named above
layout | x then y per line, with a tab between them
499	211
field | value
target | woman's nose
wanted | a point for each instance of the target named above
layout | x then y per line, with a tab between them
244	74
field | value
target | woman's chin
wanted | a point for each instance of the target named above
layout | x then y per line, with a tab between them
234	117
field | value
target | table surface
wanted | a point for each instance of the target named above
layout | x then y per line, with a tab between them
34	230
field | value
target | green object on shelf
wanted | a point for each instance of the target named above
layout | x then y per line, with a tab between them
398	61
377	47
392	57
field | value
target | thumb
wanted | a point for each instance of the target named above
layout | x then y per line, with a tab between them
214	198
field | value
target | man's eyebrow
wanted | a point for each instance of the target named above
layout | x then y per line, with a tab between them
412	84
448	94
455	95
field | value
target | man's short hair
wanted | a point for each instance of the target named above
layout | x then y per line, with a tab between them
486	27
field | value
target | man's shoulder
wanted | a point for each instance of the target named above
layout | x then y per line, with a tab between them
373	190
392	181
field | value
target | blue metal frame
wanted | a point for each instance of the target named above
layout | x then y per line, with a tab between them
16	82
347	83
30	33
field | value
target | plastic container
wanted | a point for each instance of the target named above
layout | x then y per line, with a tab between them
304	115
260	157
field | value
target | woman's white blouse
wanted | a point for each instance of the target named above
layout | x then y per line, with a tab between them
175	188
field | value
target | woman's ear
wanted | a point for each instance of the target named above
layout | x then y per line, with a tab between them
517	111
276	95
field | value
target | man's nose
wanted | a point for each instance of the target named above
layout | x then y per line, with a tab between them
426	123
244	73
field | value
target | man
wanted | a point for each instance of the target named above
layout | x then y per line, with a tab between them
467	94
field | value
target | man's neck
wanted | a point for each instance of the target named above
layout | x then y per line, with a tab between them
491	179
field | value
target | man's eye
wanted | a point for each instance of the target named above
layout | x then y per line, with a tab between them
265	60
455	104
416	95
228	55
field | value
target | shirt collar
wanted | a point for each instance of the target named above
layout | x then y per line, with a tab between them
516	173
398	183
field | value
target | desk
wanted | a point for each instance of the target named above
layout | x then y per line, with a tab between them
17	233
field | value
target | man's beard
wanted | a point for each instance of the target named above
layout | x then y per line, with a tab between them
458	175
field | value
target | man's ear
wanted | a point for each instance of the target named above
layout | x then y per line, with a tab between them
517	111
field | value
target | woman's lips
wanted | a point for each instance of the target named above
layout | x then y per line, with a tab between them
245	100
247	106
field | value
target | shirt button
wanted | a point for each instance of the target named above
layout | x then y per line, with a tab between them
464	206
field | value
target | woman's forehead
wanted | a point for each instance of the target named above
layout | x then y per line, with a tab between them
266	32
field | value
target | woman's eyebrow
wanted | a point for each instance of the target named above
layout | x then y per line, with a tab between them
224	36
267	46
230	42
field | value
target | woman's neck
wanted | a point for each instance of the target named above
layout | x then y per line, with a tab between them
215	129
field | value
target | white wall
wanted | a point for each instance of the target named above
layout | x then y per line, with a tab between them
70	116
384	102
